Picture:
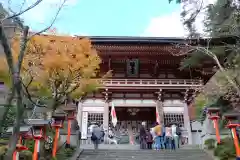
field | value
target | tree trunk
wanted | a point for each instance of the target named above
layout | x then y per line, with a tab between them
9	58
16	127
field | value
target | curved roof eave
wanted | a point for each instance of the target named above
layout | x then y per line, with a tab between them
136	40
161	40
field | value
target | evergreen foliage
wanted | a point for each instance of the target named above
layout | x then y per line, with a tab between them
222	20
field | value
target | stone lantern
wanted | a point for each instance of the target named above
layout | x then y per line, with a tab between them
38	133
70	110
58	119
233	123
24	130
214	115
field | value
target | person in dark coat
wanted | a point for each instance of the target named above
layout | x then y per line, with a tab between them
97	134
143	135
149	139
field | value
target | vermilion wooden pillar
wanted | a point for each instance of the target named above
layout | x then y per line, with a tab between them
37	146
213	114
70	116
56	137
57	124
233	124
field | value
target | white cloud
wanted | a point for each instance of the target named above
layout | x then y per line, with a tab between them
171	25
165	26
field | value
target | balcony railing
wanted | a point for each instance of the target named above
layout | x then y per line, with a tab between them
151	83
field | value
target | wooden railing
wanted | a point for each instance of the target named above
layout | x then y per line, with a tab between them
151	82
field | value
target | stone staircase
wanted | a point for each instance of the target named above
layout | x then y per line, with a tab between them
180	154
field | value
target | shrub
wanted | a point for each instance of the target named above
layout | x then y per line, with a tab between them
65	153
69	152
26	155
30	145
210	143
3	150
225	150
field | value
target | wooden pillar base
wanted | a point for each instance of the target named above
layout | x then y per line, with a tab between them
15	155
215	123
68	134
36	149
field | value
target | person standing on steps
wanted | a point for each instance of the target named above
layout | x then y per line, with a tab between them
143	134
157	139
97	135
179	134
149	139
168	136
103	134
174	136
163	137
152	131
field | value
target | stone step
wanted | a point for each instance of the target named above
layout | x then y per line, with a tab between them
194	154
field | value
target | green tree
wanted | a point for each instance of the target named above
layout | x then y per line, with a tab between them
222	20
14	67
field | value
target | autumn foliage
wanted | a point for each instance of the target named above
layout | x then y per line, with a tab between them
56	66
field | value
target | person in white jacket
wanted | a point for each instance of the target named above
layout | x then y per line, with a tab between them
174	136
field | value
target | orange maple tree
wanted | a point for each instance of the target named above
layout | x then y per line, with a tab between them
56	67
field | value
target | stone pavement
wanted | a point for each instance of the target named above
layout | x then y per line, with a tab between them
129	152
180	154
112	146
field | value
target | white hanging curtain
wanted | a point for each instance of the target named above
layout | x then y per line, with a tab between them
113	115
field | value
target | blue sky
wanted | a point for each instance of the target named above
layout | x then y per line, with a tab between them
108	17
113	17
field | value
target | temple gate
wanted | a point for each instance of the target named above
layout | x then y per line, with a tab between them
145	76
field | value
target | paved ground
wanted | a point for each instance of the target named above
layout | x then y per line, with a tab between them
180	154
126	146
112	146
129	152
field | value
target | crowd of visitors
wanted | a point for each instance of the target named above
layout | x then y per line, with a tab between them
160	136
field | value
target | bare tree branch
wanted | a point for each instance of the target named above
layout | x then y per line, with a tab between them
23	11
30	81
183	50
23	3
196	13
29	97
53	21
21	7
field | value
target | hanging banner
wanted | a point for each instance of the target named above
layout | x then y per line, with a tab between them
84	128
113	115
